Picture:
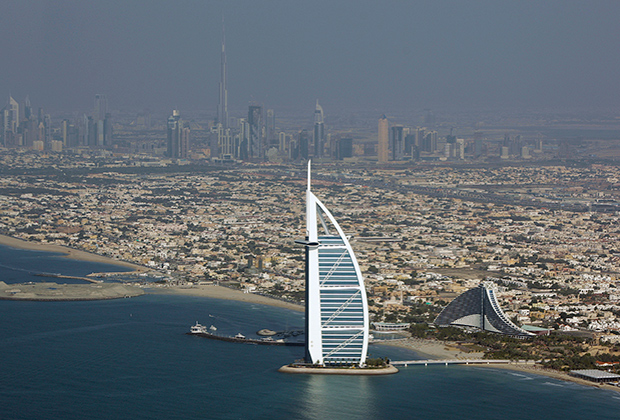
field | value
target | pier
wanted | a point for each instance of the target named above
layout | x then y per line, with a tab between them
447	362
60	276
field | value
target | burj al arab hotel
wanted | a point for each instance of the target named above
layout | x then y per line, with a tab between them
336	306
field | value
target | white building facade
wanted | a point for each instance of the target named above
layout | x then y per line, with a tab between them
337	327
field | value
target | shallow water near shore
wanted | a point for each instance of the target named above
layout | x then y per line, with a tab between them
23	265
131	358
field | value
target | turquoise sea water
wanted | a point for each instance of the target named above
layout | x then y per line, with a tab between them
131	359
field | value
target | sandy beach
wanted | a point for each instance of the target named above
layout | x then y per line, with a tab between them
48	291
220	292
433	349
539	370
430	349
70	252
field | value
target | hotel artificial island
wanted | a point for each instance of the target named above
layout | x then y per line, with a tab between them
337	322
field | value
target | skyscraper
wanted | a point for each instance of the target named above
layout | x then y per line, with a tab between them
255	134
319	131
101	107
270	128
336	306
383	147
28	125
10	122
225	143
222	107
302	142
103	122
345	148
477	144
178	136
398	142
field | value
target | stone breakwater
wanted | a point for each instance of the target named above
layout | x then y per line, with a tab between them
63	292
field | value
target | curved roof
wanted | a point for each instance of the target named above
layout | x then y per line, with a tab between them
478	308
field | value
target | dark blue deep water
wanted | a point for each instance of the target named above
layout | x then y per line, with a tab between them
131	359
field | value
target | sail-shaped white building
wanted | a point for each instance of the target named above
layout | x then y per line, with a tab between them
337	326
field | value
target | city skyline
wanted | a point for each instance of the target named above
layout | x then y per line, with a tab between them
415	54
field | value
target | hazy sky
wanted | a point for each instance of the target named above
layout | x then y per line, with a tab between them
287	53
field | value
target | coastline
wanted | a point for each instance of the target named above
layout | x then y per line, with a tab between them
221	292
72	253
212	291
550	373
433	349
54	292
425	348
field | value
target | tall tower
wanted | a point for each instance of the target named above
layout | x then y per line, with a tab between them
337	325
222	107
398	142
319	131
384	140
101	107
255	134
103	121
270	128
178	136
10	122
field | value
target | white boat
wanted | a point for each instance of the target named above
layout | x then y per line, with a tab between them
239	335
198	329
213	328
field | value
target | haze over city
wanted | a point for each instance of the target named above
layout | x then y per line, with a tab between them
286	54
352	187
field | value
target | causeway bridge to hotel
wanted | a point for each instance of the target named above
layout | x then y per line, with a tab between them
447	362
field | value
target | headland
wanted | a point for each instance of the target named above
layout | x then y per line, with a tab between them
65	292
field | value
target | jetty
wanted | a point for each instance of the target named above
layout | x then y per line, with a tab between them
61	276
447	362
200	331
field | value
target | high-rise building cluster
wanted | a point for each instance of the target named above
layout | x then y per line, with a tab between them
30	131
255	137
398	143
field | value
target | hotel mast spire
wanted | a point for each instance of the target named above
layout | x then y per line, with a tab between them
337	327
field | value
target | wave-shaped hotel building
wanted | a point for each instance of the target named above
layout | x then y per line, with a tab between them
478	308
337	327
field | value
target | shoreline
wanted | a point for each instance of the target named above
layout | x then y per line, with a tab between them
71	253
54	292
550	373
221	292
425	348
212	291
437	350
